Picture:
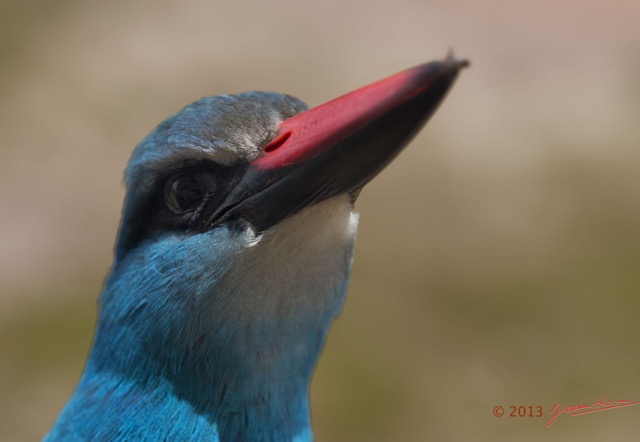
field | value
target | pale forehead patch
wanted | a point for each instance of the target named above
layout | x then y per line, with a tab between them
226	129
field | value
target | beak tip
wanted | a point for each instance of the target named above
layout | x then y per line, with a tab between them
455	63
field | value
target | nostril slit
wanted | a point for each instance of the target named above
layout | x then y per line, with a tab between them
279	141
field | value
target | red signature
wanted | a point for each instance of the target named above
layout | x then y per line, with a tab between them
577	410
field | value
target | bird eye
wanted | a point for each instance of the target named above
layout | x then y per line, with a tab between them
184	193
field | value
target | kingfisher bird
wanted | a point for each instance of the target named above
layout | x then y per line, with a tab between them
233	258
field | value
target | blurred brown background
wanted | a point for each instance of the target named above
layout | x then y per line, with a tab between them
498	260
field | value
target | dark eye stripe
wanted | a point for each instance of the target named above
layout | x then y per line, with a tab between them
185	193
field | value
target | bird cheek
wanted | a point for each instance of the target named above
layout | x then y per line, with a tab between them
248	233
252	237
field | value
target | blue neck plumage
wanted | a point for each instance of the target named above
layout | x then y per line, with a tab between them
216	354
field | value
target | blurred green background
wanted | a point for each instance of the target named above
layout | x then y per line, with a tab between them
498	260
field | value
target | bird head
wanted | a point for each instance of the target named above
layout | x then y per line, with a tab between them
236	242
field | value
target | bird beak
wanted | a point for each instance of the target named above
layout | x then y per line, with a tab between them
337	147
